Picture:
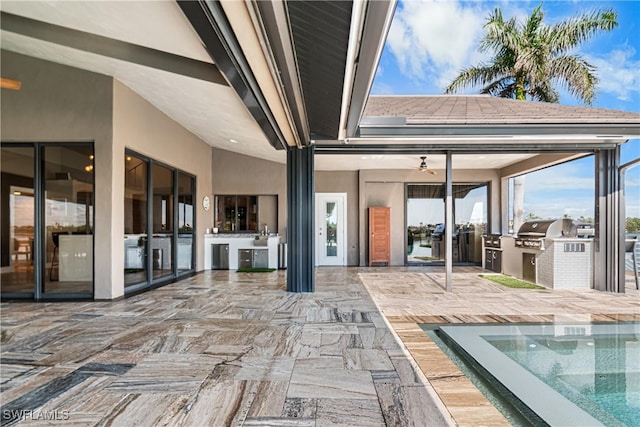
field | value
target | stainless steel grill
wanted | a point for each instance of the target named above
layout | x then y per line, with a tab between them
532	234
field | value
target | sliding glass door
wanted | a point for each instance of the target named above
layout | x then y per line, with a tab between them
162	239
186	213
425	223
47	220
18	220
135	220
68	218
159	222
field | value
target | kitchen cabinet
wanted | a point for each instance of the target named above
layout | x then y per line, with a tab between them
238	242
220	256
529	267
493	260
253	258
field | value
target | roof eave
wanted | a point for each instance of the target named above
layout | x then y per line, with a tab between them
620	132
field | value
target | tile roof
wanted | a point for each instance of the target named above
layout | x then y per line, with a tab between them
485	109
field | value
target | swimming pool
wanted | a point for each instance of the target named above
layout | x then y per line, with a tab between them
568	374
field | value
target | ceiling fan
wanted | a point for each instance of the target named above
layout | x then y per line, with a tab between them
424	168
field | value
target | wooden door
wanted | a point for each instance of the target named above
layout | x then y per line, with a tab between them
379	235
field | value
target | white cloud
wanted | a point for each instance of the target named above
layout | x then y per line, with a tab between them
568	188
559	182
554	206
571	176
435	39
619	72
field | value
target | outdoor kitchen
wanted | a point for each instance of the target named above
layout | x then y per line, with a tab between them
546	252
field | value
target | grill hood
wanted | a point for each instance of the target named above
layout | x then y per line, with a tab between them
548	229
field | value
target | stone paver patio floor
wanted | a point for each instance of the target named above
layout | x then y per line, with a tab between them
226	348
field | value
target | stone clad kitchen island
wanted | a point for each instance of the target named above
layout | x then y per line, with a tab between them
562	263
244	250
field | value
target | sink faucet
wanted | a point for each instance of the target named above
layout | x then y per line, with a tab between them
266	229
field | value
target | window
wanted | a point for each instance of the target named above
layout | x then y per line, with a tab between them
237	214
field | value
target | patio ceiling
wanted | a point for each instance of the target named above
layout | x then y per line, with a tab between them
303	89
57	31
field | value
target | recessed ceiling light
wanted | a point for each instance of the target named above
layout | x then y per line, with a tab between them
17	193
233	141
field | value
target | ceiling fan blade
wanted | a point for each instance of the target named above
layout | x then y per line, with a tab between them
432	172
10	84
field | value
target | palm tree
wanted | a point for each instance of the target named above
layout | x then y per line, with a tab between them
531	56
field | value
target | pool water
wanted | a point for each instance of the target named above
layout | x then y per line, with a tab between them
568	374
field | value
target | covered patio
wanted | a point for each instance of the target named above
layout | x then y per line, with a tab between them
250	99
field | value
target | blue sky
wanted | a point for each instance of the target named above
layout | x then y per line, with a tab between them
431	41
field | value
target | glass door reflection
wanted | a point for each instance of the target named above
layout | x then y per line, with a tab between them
161	249
425	223
135	220
331	226
68	218
185	222
426	243
18	221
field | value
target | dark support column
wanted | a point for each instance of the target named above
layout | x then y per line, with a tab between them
300	215
608	245
448	221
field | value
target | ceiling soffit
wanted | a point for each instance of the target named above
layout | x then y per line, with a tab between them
211	23
320	34
273	23
111	48
141	23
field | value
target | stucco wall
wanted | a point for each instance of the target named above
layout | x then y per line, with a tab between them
235	173
139	126
344	182
65	104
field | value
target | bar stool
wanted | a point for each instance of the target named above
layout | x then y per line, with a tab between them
55	258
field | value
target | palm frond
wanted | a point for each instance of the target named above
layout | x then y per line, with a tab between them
531	28
576	75
503	88
545	93
570	33
473	76
500	35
